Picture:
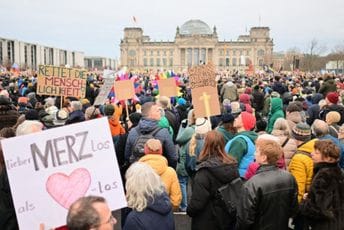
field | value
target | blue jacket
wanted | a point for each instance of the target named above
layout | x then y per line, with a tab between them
148	125
157	215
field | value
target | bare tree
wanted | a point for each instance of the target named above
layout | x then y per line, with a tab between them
312	59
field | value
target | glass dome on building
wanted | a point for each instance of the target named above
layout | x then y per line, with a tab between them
195	27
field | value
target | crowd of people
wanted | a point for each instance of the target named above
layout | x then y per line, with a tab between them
281	134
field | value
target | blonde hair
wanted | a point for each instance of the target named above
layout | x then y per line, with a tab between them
165	102
332	117
142	185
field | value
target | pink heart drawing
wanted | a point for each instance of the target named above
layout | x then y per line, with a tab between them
67	189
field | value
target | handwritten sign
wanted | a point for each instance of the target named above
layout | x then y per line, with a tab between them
203	90
49	170
124	89
61	81
168	87
104	91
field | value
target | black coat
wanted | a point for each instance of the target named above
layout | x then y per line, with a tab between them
324	206
269	200
203	189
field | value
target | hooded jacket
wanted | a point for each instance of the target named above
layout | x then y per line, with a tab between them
211	174
276	111
115	126
145	126
167	175
182	140
157	215
301	167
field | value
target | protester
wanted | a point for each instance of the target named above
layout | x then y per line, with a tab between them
151	207
226	127
214	170
90	212
323	205
76	115
267	192
276	112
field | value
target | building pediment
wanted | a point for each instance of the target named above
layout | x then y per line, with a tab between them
195	41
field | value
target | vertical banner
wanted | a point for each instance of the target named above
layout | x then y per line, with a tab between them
61	81
168	87
203	90
104	91
51	169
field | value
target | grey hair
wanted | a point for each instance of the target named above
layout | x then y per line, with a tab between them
282	125
142	185
28	127
49	102
319	128
76	105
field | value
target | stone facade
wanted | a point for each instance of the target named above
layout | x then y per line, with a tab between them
195	43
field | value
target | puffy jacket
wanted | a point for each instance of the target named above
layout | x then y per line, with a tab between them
167	175
115	126
157	215
147	125
324	206
211	174
301	167
275	112
269	200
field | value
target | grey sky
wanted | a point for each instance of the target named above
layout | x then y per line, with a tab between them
96	27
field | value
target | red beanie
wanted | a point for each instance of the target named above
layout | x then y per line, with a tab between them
153	146
332	97
248	120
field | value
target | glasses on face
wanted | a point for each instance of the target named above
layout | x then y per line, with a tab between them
111	220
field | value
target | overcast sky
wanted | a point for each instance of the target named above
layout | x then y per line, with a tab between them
96	27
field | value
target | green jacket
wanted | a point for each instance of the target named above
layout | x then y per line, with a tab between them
182	140
226	134
276	112
163	123
239	147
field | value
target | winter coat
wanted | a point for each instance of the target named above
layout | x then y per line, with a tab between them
182	111
293	118
191	161
145	126
173	121
229	91
324	206
156	216
163	123
333	107
211	174
276	111
258	98
329	85
8	220
226	134
238	147
75	117
314	109
115	126
269	200
301	167
182	140
279	87
289	148
8	113
167	175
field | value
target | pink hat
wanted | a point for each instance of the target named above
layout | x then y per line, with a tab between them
248	120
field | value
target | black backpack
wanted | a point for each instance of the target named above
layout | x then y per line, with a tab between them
225	204
139	144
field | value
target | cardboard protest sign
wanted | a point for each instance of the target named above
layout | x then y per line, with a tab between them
104	91
168	87
61	81
203	90
51	169
124	89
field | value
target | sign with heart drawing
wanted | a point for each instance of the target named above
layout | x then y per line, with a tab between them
51	169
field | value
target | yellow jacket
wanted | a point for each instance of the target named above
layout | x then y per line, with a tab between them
167	174
301	167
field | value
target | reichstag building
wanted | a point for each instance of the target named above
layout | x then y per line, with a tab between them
196	43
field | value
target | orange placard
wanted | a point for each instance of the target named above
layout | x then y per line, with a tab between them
168	87
124	89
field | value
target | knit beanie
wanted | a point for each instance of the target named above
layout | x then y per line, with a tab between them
244	98
153	146
248	120
333	97
109	110
302	132
332	117
202	126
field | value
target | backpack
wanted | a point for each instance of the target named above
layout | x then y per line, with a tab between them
139	144
225	204
248	157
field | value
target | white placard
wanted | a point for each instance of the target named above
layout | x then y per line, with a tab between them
104	91
107	73
49	170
